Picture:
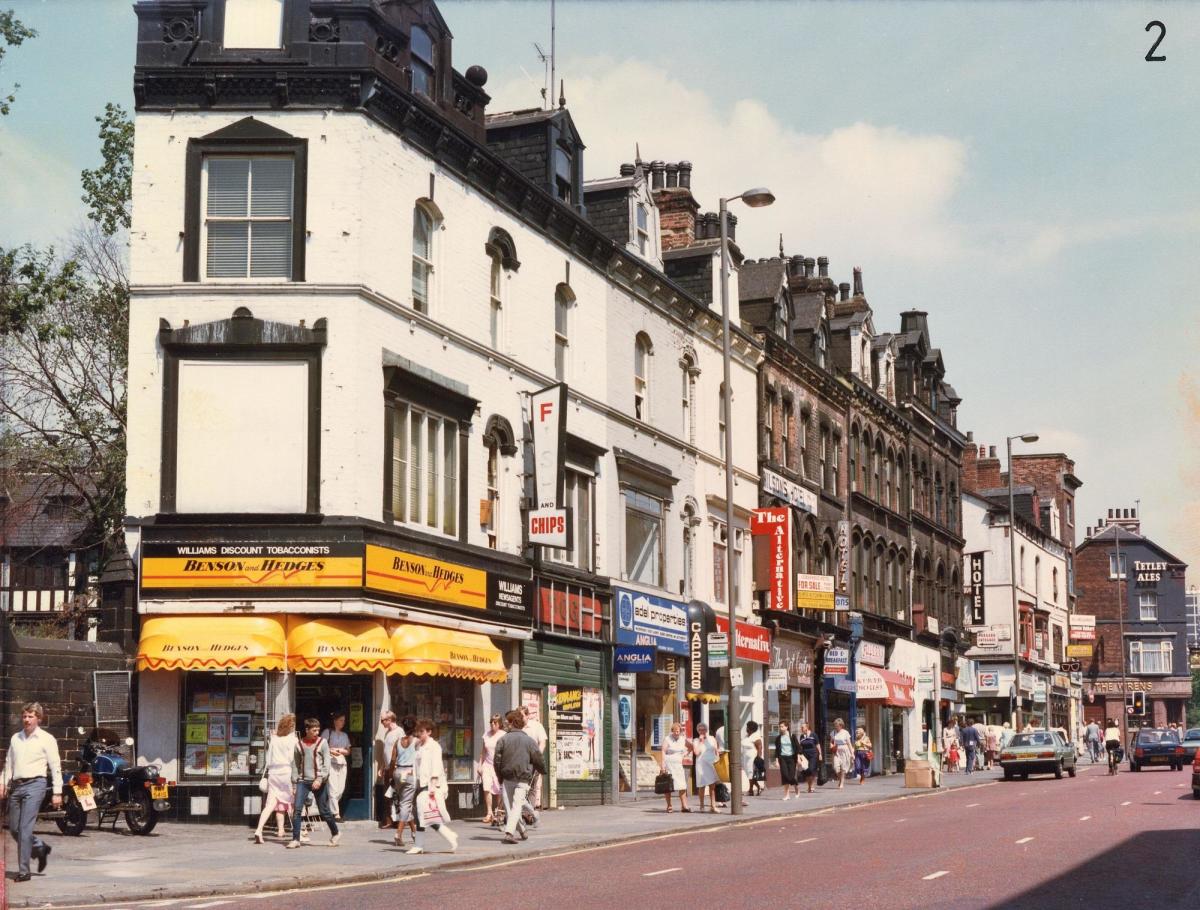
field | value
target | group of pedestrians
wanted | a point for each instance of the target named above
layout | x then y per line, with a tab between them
972	746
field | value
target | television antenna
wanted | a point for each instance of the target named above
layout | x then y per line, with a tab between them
545	60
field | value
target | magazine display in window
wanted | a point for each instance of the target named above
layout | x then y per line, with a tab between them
224	726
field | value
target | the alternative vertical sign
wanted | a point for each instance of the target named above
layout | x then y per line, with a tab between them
548	523
772	528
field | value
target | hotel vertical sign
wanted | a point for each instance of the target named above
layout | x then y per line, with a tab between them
976	581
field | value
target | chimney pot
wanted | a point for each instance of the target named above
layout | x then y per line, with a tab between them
732	220
1110	513
657	169
844	289
823	266
685	175
991	451
858	288
626	170
672	175
970	434
796	267
809	264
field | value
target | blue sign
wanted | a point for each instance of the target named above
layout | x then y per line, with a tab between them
625	715
841	601
651	621
634	658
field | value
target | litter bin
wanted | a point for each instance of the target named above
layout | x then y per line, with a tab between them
919	774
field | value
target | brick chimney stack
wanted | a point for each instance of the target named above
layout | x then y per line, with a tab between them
987	470
677	207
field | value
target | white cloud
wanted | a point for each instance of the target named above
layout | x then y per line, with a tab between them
861	191
39	193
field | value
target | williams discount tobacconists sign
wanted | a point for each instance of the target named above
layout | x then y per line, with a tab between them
251	565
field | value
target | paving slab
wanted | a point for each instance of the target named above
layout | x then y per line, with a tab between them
194	861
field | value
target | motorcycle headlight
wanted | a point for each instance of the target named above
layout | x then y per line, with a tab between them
152	770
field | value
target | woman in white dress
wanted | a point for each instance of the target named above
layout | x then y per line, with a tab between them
752	749
279	795
675	747
487	765
339	751
841	744
704	747
430	798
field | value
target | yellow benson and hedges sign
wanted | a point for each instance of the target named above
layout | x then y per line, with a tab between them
252	565
410	575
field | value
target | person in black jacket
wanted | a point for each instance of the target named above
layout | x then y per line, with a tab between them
517	760
787	751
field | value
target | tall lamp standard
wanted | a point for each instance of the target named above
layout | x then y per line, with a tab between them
757	197
1012	572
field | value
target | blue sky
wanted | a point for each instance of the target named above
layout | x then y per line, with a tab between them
1017	170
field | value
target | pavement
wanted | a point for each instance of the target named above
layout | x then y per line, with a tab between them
178	862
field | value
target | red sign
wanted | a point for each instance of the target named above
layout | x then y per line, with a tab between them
753	642
772	528
570	610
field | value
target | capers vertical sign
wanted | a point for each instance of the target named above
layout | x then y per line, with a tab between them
549	523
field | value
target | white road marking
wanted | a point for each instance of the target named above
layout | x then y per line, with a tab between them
1177	786
901	820
1157	793
1126	803
931	876
662	872
1084	818
807	840
973	805
1024	840
209	904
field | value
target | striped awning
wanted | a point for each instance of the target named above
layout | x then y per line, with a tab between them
211	643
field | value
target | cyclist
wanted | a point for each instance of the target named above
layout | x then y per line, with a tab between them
1112	742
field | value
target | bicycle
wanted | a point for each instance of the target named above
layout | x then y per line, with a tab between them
1114	758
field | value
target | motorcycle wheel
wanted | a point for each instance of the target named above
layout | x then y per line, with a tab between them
76	819
145	818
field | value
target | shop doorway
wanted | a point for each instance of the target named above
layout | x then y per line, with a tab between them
320	695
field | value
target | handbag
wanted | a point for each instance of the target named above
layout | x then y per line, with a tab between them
722	793
722	767
760	768
664	783
802	763
870	755
433	812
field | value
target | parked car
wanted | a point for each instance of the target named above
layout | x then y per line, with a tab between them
1196	776
1191	743
1040	752
1155	746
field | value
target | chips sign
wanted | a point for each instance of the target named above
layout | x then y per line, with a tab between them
814	592
548	523
772	529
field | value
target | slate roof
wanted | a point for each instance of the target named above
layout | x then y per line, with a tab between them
809	309
36	511
761	280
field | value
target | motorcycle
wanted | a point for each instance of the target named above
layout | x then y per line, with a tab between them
107	784
70	817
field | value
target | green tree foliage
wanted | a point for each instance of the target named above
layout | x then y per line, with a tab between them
1193	708
107	189
13	33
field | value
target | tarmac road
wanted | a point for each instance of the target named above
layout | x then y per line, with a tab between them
1129	842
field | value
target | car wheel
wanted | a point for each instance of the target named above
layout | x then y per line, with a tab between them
1024	775
1071	771
1008	775
1134	767
1196	794
1058	772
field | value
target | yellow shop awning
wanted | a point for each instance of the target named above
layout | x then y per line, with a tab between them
426	651
211	643
337	645
707	698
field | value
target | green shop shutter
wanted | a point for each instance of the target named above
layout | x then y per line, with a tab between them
552	663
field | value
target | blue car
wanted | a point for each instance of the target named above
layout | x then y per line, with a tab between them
1155	747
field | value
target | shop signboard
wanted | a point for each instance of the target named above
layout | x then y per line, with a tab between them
841	602
1081	651
795	659
780	487
550	527
843	560
633	658
837	661
925	676
771	530
506	594
625	716
872	653
1039	692
814	592
1027	681
570	609
647	619
989	680
626	680
751	642
251	565
735	676
702	676
976	583
548	524
1082	628
777	679
413	575
986	638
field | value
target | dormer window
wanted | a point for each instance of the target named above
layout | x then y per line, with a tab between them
421	62
562	174
822	347
253	24
643	229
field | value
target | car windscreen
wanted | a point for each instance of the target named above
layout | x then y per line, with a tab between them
1153	737
1192	735
1031	739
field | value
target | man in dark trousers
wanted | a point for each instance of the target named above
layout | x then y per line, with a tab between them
517	759
32	757
971	742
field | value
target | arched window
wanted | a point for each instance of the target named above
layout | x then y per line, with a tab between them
422	62
642	350
855	568
1054	582
768	424
690	523
878	601
937	501
853	456
864	575
424	224
887	478
877	466
1022	563
721	418
785	434
687	396
822	347
952	508
498	441
563	298
957	599
866	463
826	558
496	304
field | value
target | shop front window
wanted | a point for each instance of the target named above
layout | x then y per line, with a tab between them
450	705
223	727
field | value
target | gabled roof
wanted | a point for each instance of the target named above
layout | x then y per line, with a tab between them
761	280
809	310
40	512
1114	533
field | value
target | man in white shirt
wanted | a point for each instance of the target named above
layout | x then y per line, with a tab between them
31	754
386	737
537	732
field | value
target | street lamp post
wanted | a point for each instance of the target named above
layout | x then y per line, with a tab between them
1012	572
755	198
